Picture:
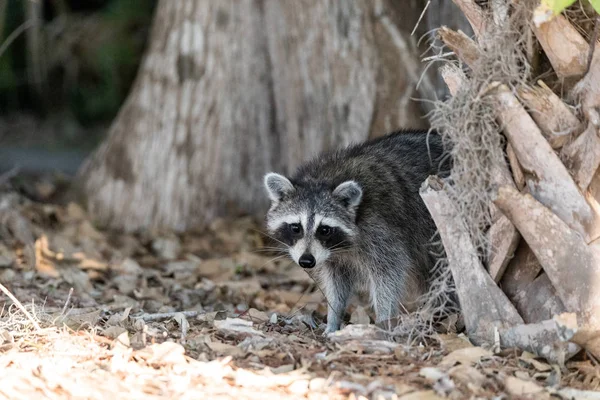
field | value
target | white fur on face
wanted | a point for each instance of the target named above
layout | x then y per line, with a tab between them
332	222
320	253
297	250
276	223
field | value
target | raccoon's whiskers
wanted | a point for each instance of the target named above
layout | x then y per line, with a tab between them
269	236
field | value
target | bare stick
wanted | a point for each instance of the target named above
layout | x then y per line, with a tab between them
463	46
556	121
15	34
592	44
563	45
421	17
582	156
572	266
484	305
20	306
67	302
474	14
542	339
547	178
157	316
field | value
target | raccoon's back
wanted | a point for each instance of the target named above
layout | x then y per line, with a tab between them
390	170
402	158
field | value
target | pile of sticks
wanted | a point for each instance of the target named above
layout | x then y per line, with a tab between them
539	287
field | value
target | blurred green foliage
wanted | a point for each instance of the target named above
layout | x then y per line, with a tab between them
88	58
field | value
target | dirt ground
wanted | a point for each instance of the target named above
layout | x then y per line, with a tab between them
212	315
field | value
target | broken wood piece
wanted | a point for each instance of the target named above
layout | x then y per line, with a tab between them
475	15
579	330
554	118
547	178
515	167
566	49
572	266
542	339
588	91
463	46
504	238
539	301
483	304
522	270
582	156
454	77
560	250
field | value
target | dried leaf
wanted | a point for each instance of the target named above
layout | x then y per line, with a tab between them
237	327
226	349
422	395
360	317
454	342
466	356
520	387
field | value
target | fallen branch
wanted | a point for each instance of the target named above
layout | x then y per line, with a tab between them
483	304
555	120
20	306
572	266
566	49
463	46
542	339
582	156
547	178
474	14
158	316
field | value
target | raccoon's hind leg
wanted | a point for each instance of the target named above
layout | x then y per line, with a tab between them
338	287
386	292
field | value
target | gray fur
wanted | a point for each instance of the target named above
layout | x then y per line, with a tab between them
370	194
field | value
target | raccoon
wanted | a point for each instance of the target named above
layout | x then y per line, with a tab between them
354	220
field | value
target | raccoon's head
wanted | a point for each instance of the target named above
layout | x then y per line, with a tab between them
314	220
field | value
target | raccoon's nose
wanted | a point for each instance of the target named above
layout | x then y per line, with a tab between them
307	261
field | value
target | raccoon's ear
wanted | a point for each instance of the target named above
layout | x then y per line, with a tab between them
349	193
277	186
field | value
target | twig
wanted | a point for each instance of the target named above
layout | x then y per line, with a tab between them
67	302
15	34
20	306
420	17
8	175
593	44
157	316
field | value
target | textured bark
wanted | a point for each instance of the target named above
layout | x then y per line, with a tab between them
572	266
522	269
542	339
566	49
556	121
463	46
548	180
442	13
539	301
229	90
483	304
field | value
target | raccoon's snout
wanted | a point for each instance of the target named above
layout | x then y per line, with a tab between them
307	261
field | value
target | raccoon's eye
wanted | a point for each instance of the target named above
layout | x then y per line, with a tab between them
295	228
324	230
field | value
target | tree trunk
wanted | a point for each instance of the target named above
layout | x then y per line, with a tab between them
230	90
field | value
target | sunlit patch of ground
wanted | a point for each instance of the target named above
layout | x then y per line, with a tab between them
210	315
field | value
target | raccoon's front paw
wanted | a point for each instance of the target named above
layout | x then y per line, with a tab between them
330	329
